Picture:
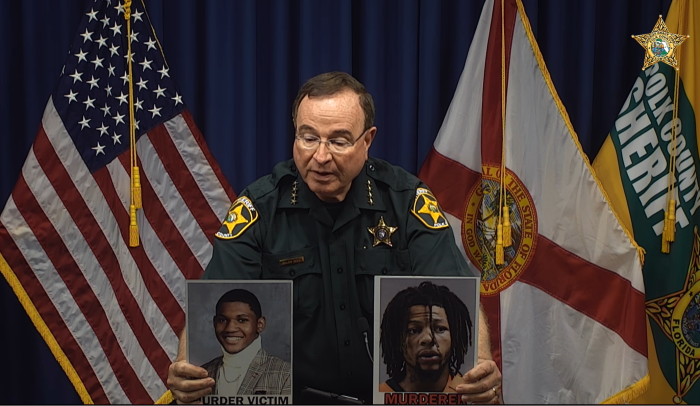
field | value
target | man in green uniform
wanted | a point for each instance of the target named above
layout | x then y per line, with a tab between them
330	220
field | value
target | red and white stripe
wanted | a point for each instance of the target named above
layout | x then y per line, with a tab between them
572	328
115	311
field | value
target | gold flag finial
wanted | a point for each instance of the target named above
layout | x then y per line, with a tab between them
660	45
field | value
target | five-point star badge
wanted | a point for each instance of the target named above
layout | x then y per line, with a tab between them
382	233
660	45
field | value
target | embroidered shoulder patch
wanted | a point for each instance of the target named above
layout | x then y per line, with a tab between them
241	215
426	208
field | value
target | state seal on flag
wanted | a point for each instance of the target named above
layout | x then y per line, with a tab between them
685	322
479	229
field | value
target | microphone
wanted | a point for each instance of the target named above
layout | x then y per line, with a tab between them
363	324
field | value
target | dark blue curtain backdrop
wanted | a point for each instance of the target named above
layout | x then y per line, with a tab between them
239	64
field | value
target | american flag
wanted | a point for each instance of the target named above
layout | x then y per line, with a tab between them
110	313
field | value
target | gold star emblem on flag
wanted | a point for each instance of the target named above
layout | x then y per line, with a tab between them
660	45
382	233
678	315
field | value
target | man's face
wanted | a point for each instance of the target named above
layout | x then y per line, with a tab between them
427	345
236	326
329	174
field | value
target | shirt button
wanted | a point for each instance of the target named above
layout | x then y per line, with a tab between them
347	343
340	270
342	306
385	271
371	167
291	272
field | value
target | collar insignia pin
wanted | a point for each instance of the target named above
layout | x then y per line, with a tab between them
295	190
369	194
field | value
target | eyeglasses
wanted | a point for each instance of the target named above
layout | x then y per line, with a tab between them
335	145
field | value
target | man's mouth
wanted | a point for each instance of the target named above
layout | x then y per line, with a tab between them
429	356
232	340
320	175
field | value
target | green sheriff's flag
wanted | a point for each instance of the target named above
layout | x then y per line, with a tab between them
633	166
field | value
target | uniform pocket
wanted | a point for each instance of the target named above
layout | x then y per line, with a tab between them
378	262
303	267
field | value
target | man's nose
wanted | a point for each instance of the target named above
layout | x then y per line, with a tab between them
322	154
426	337
232	325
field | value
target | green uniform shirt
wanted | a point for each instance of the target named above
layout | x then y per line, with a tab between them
281	230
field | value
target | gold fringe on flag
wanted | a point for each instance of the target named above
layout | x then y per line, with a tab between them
630	393
640	252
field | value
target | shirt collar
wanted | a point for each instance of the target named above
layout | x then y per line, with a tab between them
297	195
244	358
362	186
359	193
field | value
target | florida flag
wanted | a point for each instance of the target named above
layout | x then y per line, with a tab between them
566	308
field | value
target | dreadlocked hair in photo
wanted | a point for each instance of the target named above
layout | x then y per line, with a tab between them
392	339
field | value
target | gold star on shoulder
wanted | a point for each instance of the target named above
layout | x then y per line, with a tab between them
239	218
430	207
382	233
235	218
660	45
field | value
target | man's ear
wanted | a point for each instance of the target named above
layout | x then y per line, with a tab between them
370	136
367	141
261	324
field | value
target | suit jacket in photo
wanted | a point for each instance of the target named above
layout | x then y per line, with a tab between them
266	375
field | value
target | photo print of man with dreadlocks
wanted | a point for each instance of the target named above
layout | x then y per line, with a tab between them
426	338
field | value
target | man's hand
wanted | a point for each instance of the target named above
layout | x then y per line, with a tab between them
482	384
188	383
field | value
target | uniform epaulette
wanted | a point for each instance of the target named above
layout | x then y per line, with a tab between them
268	183
395	177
